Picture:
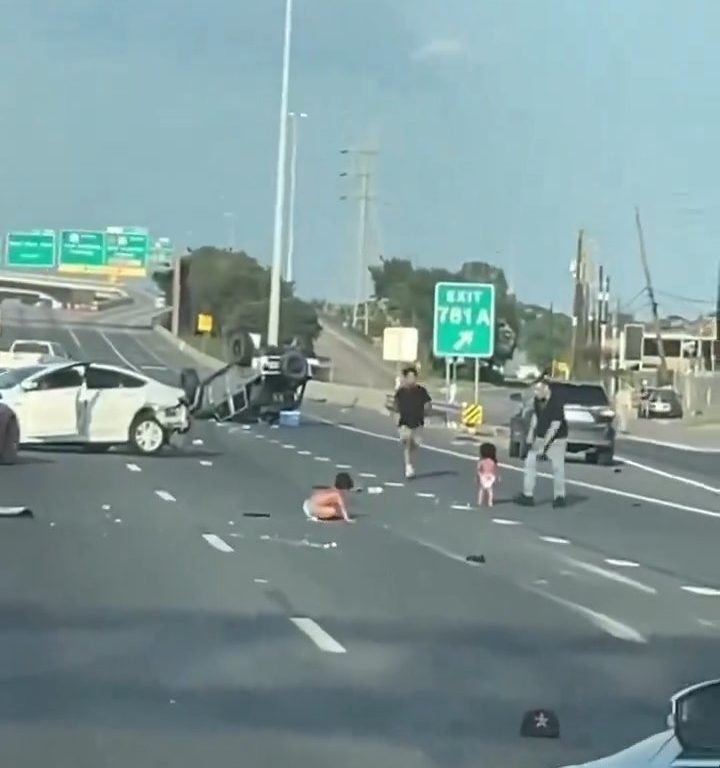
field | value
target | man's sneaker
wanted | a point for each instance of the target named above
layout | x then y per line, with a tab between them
525	501
409	472
559	502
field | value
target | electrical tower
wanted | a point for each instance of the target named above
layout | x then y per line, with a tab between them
362	176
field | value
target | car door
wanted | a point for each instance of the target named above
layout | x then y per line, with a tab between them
51	409
112	399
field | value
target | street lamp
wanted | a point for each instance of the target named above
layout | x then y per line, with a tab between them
273	333
293	179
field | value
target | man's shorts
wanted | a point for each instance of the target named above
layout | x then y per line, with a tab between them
408	435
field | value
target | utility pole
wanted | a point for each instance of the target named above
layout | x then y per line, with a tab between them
293	116
363	175
176	292
579	308
662	370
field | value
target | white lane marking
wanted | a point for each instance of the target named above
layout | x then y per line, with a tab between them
704	591
423	495
260	581
607	624
259	437
106	507
554	540
274	441
610	575
304	453
505	521
343	466
391	484
367	474
154	367
117	352
576	483
246	428
322	458
708	623
668	475
217	542
165	495
197	441
137	338
205	463
133	467
436	548
621	563
464	507
318	635
289	445
75	339
666	444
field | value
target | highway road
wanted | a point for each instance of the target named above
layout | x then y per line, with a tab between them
179	610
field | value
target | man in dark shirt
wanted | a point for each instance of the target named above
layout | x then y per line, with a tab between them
547	437
412	402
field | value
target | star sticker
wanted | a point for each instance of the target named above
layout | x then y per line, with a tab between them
541	721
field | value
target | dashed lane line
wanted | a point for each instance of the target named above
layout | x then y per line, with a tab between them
554	539
289	446
217	543
304	453
318	635
703	591
205	463
165	495
322	458
133	467
424	495
117	352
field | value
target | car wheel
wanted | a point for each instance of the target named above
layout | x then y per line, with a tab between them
10	442
147	435
605	458
514	450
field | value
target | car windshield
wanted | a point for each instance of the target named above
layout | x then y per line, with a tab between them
12	377
581	394
33	347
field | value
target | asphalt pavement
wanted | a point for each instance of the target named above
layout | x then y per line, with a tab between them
179	609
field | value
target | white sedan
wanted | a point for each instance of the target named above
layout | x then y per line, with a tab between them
93	404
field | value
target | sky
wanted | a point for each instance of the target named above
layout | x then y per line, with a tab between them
502	128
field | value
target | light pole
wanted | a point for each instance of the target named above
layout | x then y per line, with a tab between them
293	183
273	333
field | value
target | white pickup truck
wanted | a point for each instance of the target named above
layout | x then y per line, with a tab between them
24	352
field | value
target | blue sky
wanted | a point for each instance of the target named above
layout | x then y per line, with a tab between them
503	126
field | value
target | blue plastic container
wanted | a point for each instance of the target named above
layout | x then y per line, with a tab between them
289	418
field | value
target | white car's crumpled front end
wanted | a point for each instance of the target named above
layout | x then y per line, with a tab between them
170	407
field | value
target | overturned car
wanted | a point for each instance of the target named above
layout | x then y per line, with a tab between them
235	394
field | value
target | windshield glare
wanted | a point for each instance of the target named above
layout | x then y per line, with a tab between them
590	395
13	377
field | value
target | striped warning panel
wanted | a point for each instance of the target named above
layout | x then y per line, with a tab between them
472	414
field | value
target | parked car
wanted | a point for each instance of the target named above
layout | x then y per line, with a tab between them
663	402
590	419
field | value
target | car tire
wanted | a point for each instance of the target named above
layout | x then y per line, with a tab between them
190	384
514	450
147	437
10	442
294	366
606	458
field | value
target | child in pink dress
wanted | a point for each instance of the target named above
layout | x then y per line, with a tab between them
487	473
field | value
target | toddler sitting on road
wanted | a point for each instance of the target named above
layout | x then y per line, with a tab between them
327	504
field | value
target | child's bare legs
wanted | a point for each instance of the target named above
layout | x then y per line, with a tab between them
489	493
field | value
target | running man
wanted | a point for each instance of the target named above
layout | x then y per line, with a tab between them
412	402
327	504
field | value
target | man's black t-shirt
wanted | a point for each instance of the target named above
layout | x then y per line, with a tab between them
411	402
546	413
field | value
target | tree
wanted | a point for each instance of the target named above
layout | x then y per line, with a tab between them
234	288
408	293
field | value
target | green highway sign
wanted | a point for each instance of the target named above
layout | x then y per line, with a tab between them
129	248
30	249
464	322
82	248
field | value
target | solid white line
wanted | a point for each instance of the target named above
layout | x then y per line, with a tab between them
666	444
668	475
154	367
304	453
503	521
137	338
367	474
611	575
705	591
75	339
575	483
554	540
217	542
165	495
205	463
621	563
133	467
117	352
606	623
318	635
